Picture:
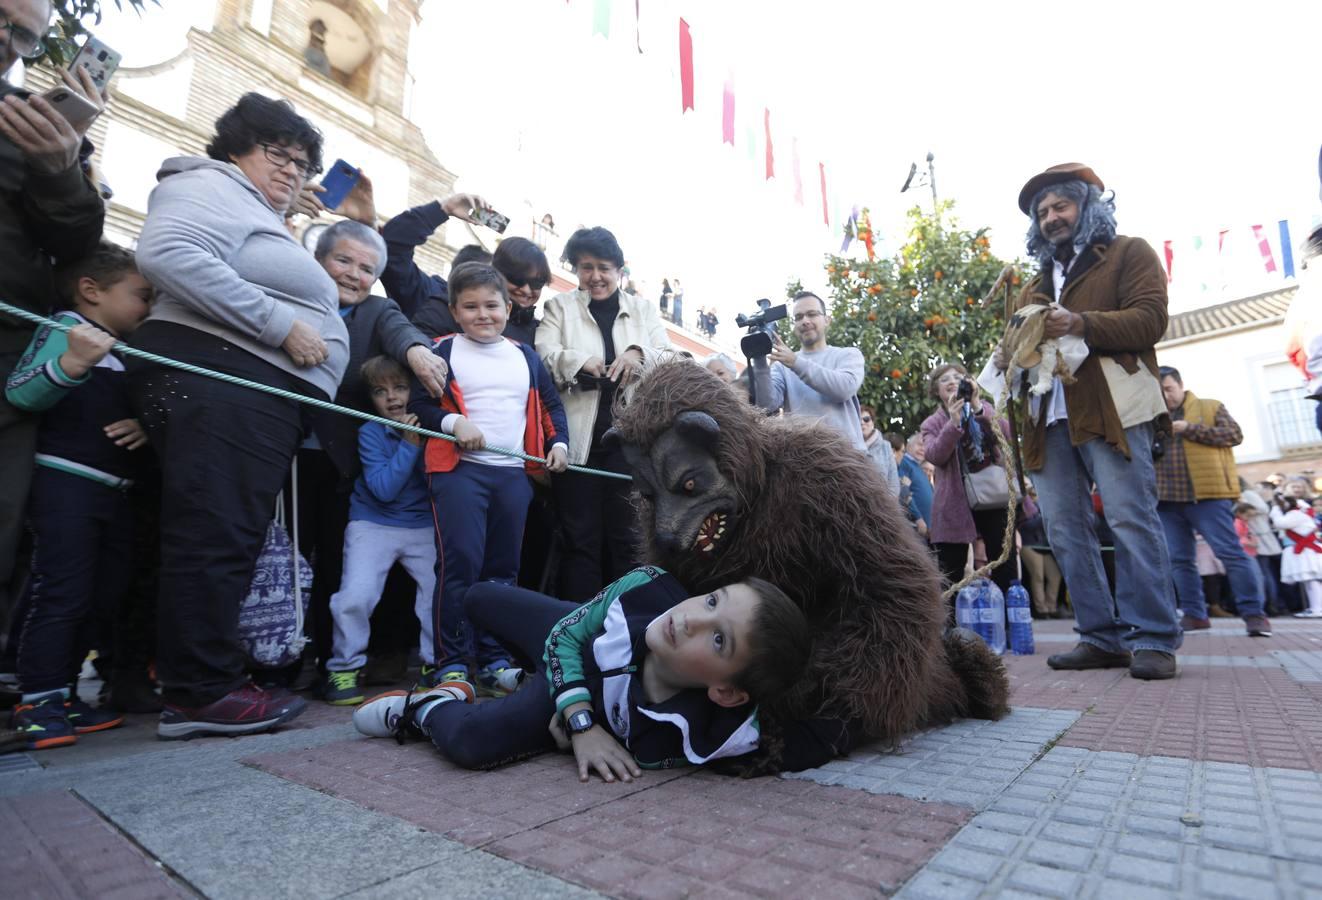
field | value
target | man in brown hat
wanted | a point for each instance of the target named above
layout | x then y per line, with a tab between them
1109	290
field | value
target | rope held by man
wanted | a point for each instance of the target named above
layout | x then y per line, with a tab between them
121	347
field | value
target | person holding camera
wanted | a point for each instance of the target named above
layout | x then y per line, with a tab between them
818	382
594	341
50	213
959	438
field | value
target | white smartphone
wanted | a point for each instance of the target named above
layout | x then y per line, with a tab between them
98	59
72	105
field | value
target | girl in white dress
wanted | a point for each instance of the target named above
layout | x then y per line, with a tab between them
1301	558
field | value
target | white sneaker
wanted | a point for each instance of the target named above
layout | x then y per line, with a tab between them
1309	614
391	713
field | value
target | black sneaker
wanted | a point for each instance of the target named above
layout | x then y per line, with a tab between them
87	719
342	688
1152	665
44	724
1258	626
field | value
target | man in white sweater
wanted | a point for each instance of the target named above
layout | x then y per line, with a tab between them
818	382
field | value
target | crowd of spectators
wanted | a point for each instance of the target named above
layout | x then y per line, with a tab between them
151	490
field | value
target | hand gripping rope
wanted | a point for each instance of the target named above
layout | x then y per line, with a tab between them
290	395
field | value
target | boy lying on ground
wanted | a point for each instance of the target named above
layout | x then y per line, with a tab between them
642	676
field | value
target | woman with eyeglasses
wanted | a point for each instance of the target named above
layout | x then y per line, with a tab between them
235	292
594	340
879	450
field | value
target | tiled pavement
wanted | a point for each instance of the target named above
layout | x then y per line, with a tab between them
1096	786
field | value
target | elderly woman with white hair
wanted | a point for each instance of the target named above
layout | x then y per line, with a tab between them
354	256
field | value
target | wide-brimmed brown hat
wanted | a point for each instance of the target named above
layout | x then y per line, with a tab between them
1056	175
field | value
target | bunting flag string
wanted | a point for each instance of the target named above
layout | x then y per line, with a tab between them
601	18
727	112
1170	257
771	156
1287	252
685	67
1265	248
826	210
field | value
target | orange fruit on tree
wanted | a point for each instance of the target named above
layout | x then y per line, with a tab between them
896	373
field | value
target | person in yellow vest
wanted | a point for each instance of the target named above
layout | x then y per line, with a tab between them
1197	486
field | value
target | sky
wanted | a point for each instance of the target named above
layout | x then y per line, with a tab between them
1195	114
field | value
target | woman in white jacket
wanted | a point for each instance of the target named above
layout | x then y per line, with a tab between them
594	341
1301	562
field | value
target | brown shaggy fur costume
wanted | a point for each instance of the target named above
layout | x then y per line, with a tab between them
812	515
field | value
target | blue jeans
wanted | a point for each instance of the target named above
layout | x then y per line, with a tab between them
1142	616
1215	521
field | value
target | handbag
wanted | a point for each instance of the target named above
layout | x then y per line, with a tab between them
987	488
272	612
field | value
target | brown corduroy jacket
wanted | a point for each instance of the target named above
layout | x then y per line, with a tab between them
1120	290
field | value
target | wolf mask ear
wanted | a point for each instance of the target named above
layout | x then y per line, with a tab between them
699	428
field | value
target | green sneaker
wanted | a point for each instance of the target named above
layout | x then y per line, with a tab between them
342	688
431	676
498	681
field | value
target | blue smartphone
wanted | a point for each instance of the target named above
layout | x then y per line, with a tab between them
339	181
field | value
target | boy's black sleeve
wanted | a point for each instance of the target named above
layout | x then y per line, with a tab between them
429	410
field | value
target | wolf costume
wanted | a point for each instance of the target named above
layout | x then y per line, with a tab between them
725	492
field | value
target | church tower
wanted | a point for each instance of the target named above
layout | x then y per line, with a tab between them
342	63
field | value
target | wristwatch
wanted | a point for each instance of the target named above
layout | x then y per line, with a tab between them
580	721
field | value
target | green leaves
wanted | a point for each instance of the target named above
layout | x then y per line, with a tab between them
909	313
69	14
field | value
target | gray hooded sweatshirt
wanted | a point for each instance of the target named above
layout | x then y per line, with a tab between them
223	263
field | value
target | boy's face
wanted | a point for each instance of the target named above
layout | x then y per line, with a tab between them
391	398
481	312
703	642
119	308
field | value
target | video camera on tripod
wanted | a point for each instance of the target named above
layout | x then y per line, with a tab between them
757	344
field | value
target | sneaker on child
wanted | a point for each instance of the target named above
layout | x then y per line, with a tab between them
343	688
44	723
87	719
246	710
499	681
396	713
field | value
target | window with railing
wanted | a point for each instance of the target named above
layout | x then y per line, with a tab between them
1293	418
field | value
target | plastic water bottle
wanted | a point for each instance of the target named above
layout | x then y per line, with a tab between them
991	615
965	614
1020	615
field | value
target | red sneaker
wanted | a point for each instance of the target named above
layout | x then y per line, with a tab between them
246	710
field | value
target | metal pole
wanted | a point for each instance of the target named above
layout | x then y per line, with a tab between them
931	178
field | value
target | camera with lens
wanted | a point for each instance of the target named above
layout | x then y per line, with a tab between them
757	344
761	326
965	391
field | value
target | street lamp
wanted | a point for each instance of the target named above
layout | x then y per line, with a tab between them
929	179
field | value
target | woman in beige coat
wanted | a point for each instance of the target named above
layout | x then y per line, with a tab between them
594	341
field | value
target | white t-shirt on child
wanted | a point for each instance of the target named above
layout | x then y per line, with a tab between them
495	381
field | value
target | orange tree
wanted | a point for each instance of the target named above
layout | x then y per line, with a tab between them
909	312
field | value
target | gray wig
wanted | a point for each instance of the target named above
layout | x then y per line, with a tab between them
1096	219
349	230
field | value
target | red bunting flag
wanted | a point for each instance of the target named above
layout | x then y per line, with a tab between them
727	112
771	156
798	176
1265	248
1170	255
826	213
685	66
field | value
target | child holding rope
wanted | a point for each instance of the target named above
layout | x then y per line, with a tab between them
499	394
1301	561
79	503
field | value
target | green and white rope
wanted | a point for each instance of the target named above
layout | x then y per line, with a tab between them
290	395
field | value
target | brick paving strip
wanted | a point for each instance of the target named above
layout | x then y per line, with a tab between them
669	834
56	845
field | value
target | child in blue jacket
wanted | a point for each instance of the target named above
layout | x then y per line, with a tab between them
390	522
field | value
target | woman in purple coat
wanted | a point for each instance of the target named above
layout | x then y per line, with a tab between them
948	435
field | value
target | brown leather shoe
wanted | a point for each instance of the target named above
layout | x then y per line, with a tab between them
1152	665
1087	656
1189	623
1215	611
1258	626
